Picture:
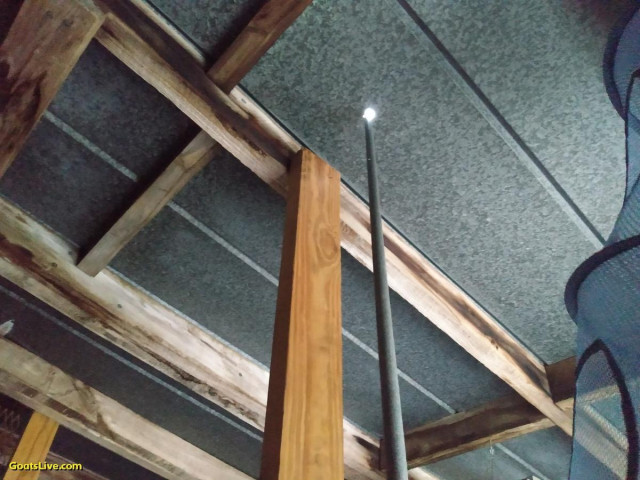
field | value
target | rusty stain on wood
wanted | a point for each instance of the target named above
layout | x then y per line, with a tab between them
43	44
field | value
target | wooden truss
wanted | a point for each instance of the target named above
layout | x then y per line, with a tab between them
42	46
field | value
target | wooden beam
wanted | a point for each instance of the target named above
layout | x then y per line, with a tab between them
502	420
258	36
263	30
494	422
47	389
132	38
182	169
42	263
43	44
154	55
33	446
303	431
562	379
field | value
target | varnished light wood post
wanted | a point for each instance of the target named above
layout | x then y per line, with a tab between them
33	447
303	432
42	46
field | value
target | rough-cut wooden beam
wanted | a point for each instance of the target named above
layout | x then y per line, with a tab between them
183	81
43	44
303	431
507	418
154	55
33	446
562	379
39	261
258	36
270	22
494	422
47	389
182	169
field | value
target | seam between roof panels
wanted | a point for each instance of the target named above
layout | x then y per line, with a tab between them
128	363
448	64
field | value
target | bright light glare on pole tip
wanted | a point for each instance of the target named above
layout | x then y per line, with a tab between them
369	114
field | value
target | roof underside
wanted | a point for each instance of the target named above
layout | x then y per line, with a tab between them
450	182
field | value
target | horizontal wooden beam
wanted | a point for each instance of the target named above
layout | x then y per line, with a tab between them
153	54
494	422
183	168
42	263
47	389
256	38
507	418
43	44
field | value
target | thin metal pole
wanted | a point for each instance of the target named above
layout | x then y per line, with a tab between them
395	452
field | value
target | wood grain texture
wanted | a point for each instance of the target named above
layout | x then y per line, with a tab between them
464	432
303	431
491	423
256	38
33	446
158	59
39	261
42	46
183	168
47	389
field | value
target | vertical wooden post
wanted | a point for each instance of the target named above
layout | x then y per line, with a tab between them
303	436
43	44
33	447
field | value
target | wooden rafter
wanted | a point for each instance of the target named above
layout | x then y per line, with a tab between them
494	422
43	264
152	53
257	37
182	169
43	44
47	389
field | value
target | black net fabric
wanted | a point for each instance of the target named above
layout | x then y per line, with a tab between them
603	297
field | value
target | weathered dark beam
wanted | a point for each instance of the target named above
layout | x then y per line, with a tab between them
152	53
39	261
494	422
270	22
303	430
43	44
258	36
502	420
562	379
47	389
